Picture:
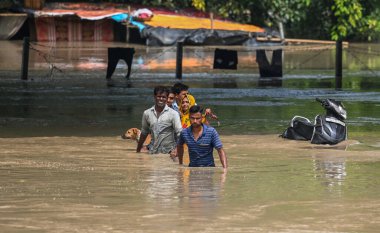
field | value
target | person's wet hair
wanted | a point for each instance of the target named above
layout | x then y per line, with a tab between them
160	90
178	87
171	90
196	109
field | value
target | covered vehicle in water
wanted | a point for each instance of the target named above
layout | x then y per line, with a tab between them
326	129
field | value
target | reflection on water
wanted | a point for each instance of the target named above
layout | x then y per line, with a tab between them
99	184
331	172
306	62
200	189
97	107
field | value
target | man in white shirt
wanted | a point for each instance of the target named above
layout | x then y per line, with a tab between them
162	122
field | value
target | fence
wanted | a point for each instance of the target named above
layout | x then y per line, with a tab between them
320	59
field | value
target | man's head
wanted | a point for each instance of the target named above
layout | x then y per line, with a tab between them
196	116
160	96
171	97
180	90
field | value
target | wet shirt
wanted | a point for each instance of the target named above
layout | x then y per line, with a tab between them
164	129
200	151
175	106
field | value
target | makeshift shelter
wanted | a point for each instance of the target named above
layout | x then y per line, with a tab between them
10	24
165	29
75	22
101	22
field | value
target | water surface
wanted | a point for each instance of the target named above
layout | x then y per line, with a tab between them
98	184
64	167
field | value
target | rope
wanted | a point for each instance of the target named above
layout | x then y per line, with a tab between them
360	61
203	59
59	47
160	54
49	56
305	61
46	57
364	51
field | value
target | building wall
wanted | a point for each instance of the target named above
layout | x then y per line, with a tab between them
34	4
73	29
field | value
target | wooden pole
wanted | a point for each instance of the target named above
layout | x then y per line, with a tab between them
212	21
338	65
307	41
25	59
178	71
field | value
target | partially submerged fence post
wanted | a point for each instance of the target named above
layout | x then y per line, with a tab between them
338	65
25	59
178	70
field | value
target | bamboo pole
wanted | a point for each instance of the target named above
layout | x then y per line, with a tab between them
290	40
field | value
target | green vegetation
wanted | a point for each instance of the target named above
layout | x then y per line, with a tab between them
355	20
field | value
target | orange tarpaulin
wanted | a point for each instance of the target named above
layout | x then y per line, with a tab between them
186	22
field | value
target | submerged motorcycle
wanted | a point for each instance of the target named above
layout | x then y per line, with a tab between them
327	129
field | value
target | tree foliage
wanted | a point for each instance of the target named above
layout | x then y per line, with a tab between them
348	14
339	19
318	19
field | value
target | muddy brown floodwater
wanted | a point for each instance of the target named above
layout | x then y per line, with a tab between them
99	184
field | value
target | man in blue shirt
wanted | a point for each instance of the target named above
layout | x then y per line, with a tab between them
201	140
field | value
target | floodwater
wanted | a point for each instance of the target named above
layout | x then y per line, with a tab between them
64	167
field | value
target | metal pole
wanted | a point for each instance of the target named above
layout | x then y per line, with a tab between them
178	71
338	65
25	59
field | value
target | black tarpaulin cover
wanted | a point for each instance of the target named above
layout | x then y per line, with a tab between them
159	36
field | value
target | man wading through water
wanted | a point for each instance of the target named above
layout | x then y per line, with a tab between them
201	139
162	122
